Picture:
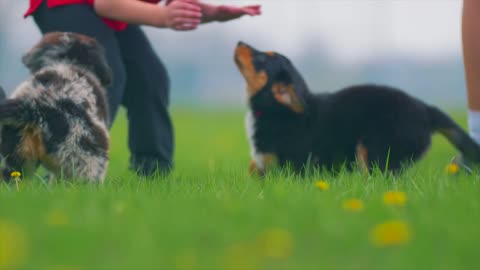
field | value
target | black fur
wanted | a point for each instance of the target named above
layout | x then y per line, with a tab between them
17	112
12	160
393	127
55	119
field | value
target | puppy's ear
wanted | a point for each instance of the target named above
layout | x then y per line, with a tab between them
34	60
44	52
91	55
101	67
287	93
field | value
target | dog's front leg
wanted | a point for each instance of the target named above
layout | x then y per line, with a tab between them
361	155
261	162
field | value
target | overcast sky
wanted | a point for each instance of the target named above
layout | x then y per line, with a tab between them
358	29
354	30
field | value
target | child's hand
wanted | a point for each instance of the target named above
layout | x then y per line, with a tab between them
226	13
183	15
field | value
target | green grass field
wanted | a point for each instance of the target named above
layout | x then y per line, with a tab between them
210	214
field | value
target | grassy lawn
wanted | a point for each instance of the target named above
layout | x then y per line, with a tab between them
210	214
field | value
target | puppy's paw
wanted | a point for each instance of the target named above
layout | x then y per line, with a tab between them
254	170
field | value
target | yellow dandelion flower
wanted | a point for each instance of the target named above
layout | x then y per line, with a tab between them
353	205
391	233
322	185
395	198
13	246
16	174
275	243
57	218
452	168
16	177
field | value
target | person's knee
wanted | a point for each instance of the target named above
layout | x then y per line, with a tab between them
149	84
161	81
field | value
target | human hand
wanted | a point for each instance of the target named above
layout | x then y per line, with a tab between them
183	15
224	13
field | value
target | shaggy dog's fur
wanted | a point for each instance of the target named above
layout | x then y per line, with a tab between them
365	125
59	117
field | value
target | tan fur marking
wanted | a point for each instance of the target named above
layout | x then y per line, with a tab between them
270	53
362	157
31	145
269	160
285	94
257	83
255	80
252	168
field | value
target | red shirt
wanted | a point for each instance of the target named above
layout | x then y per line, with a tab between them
116	25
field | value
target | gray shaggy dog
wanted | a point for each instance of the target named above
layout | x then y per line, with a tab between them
58	118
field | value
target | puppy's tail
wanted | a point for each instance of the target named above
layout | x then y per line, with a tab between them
445	125
17	112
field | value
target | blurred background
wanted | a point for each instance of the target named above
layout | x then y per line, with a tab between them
411	44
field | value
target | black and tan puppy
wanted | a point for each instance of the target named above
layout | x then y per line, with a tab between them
58	118
367	125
